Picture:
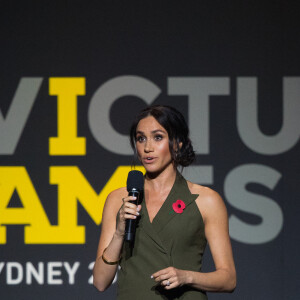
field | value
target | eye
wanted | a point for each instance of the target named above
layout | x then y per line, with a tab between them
158	137
140	139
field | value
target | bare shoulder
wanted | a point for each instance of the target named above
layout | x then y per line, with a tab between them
206	194
114	198
209	201
117	193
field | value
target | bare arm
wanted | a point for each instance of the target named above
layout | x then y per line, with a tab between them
223	279
111	239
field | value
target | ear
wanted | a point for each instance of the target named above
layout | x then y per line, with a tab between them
175	146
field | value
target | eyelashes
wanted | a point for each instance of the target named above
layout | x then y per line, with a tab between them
158	137
141	138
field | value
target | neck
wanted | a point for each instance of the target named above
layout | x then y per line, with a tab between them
161	180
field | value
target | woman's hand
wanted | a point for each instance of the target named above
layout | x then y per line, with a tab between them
127	211
115	213
171	277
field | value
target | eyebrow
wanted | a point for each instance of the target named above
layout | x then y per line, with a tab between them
154	131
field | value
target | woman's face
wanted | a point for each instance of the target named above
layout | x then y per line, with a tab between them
152	145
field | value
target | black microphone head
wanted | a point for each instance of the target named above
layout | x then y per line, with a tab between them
135	180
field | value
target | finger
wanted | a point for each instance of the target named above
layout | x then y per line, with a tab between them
161	272
161	278
127	213
127	206
131	213
131	210
166	283
130	205
170	286
129	198
129	216
125	217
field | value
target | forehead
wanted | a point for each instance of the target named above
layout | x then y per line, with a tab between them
149	124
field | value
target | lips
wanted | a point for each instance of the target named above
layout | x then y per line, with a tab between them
149	159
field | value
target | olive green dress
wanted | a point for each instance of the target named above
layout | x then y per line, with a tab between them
172	239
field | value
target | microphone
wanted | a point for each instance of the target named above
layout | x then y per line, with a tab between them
135	186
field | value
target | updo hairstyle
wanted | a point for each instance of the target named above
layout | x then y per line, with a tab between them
174	123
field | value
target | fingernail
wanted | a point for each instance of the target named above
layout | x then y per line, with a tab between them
151	276
137	213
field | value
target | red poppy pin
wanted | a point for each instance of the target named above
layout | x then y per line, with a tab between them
178	206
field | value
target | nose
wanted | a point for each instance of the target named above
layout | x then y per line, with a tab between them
148	146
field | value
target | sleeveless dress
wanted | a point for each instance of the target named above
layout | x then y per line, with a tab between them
172	239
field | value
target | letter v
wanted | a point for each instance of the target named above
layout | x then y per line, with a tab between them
13	125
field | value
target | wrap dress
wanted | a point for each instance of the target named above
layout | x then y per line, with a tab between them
172	239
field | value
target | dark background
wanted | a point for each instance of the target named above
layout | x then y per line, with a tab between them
100	40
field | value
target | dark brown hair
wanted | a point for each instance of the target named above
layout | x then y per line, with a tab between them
174	123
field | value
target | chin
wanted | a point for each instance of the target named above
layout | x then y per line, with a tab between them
151	169
155	170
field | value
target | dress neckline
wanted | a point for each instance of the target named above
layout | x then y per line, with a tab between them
166	213
165	205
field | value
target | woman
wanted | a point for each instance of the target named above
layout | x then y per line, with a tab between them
175	221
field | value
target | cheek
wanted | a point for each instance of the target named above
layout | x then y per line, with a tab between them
139	150
165	150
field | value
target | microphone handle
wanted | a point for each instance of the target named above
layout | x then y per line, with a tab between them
131	223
